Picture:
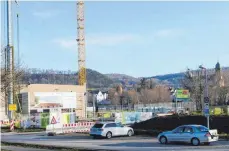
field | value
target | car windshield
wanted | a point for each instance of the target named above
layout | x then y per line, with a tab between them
98	126
202	129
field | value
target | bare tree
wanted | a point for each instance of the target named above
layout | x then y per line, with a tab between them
18	74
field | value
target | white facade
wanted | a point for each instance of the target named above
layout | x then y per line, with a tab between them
100	96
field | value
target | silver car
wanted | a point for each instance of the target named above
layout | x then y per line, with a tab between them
194	134
110	129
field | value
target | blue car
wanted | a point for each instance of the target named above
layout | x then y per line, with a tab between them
194	134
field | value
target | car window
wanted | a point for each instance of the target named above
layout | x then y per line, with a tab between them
179	130
119	125
202	129
98	126
188	130
110	125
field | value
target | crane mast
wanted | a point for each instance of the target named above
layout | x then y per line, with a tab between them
81	43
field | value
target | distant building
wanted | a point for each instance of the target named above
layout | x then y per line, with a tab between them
37	98
101	96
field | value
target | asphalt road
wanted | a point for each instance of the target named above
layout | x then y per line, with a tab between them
134	143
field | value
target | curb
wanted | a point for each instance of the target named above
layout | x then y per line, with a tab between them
29	145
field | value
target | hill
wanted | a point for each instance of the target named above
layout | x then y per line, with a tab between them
94	78
124	79
174	79
98	80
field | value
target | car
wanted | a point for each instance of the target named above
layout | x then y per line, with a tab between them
194	134
110	129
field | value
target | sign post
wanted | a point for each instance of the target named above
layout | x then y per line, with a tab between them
53	121
206	109
206	98
12	108
181	94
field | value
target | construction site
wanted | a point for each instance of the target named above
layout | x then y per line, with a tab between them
36	99
46	110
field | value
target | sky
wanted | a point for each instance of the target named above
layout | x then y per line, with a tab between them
133	38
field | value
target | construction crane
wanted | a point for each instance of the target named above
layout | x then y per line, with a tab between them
81	43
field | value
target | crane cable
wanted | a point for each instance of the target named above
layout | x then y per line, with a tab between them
18	56
18	40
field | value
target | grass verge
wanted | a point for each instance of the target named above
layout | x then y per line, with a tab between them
21	130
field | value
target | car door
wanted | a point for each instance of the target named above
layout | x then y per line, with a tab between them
176	134
120	129
112	128
188	133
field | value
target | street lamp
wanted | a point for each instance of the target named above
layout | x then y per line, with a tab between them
206	99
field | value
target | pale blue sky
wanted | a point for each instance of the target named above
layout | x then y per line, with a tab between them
134	38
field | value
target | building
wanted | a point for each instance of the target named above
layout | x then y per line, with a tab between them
38	98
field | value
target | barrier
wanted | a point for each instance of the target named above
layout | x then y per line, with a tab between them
80	127
12	125
5	123
54	128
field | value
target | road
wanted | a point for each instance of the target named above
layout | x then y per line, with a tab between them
134	143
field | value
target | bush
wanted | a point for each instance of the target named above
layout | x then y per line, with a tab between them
221	123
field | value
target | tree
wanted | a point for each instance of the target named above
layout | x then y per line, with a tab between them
194	83
143	83
17	76
222	95
133	95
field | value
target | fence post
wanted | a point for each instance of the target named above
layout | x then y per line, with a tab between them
12	125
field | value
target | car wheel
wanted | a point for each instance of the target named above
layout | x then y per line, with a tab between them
109	135
207	143
163	140
195	142
130	133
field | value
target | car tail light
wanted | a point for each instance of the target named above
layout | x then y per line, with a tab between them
207	134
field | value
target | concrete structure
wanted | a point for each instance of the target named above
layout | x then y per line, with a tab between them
51	94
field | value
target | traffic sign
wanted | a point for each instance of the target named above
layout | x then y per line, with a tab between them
53	120
206	111
206	105
206	99
12	107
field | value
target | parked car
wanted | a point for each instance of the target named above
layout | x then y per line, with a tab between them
194	134
110	129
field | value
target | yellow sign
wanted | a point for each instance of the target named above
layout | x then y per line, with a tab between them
12	107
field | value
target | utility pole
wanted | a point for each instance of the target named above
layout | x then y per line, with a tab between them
206	98
9	61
